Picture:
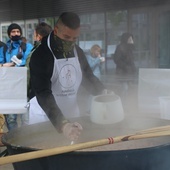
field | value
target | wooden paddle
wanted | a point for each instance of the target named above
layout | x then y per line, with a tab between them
148	133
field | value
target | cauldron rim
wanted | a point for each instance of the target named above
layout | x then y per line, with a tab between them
29	149
7	136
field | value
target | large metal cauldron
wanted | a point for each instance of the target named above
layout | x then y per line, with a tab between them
144	154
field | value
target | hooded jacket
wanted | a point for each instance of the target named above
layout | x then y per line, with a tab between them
123	56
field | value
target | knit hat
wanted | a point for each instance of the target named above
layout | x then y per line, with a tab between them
13	26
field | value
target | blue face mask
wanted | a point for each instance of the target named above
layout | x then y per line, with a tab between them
16	38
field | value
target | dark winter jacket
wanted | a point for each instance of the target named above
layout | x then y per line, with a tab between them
123	56
41	69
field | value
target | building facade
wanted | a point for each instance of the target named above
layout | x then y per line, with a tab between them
102	23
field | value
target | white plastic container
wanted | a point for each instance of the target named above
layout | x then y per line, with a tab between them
164	102
106	109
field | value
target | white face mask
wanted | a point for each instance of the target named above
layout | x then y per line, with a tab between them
130	40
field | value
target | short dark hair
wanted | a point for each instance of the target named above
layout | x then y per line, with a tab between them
43	29
69	19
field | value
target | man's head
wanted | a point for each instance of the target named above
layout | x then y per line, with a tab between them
68	26
41	30
14	32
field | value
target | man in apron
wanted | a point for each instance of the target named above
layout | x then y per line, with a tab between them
57	68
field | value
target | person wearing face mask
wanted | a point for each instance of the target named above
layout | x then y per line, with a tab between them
16	47
123	56
57	68
15	56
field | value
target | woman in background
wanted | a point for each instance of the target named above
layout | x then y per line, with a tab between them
95	60
123	56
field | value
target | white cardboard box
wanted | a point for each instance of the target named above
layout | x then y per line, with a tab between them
13	90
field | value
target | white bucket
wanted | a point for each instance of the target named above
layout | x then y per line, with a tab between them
165	107
106	109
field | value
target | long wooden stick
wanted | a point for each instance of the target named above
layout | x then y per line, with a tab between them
149	133
155	129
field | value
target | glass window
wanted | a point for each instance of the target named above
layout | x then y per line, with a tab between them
92	31
164	39
4	34
140	27
30	27
50	21
116	24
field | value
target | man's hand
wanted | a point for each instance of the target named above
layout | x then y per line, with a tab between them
72	130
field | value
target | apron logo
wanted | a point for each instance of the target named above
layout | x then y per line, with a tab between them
68	76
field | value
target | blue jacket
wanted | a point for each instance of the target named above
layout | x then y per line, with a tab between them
3	48
14	49
94	65
1	55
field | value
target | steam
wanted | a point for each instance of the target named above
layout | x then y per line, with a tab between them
139	94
